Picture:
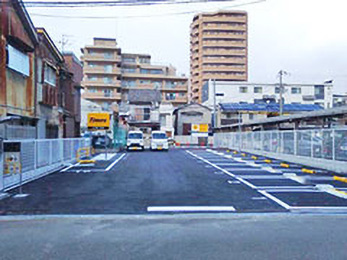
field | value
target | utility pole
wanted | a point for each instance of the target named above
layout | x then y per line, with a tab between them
214	104
281	73
64	41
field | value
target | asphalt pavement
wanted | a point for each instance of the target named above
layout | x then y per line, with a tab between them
196	180
187	236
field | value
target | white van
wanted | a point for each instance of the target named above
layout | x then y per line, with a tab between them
159	141
135	141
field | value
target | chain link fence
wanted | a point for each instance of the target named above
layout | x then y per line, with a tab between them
41	156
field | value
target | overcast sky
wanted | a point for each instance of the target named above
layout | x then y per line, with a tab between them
307	38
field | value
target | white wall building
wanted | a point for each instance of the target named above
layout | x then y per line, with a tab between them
166	118
236	92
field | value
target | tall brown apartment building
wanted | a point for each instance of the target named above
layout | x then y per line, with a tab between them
109	75
218	49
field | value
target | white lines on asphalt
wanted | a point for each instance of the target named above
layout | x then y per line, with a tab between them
273	198
233	182
114	163
68	168
258	198
331	190
263	177
190	208
275	190
102	157
292	188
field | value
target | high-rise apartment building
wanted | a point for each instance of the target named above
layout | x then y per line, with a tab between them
102	72
218	49
109	75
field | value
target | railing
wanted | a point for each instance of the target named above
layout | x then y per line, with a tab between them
323	148
38	158
17	132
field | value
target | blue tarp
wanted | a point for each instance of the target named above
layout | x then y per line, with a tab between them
269	107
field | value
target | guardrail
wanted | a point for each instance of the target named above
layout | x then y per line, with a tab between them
322	148
37	158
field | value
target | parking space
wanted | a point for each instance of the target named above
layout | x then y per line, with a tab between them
290	187
192	180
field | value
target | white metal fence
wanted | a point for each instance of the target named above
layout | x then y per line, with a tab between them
41	156
319	145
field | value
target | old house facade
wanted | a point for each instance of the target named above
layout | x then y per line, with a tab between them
18	41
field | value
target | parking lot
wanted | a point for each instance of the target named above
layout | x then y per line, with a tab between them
181	180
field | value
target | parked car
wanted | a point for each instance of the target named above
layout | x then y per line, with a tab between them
159	141
135	141
101	141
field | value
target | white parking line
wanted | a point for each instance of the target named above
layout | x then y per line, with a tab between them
190	208
114	163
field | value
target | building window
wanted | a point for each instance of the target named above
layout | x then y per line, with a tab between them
128	70
108	55
145	60
319	92
129	60
18	61
181	94
251	116
92	78
92	90
145	82
243	89
128	83
258	90
107	92
296	90
219	94
170	96
151	71
50	75
108	80
91	65
108	68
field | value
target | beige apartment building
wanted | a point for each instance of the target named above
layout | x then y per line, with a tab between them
218	49
109	75
102	72
139	73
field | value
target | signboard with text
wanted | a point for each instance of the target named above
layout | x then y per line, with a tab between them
98	121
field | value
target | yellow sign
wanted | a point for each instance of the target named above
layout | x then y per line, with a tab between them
200	128
195	128
204	128
98	120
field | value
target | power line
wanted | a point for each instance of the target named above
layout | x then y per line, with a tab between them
71	4
135	16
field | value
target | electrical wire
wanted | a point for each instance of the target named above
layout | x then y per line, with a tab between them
135	16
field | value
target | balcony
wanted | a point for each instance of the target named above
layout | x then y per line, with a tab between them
178	100
176	88
101	70
224	36
222	43
219	51
102	96
218	76
100	83
100	57
224	27
224	68
240	19
224	60
102	47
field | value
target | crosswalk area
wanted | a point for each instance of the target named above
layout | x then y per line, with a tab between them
293	187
